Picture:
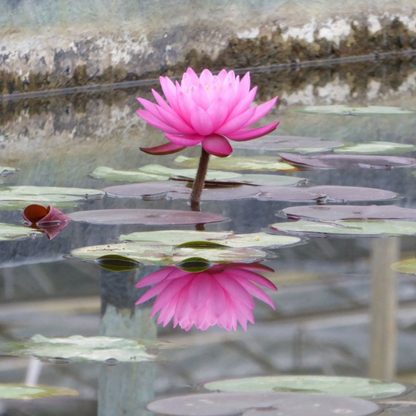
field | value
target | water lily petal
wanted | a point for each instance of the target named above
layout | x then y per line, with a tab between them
163	149
201	121
217	145
156	122
236	123
190	140
261	110
250	134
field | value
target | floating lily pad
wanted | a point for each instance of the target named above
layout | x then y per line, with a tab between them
110	174
23	392
166	255
20	196
145	216
407	266
259	163
272	180
374	148
77	348
344	110
152	173
256	404
324	194
288	143
179	190
225	238
10	232
343	229
349	212
338	386
321	194
347	161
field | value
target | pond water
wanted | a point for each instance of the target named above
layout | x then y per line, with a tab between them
340	309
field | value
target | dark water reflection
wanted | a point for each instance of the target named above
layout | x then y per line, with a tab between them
321	322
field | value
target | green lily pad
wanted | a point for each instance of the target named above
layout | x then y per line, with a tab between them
115	263
110	174
346	228
337	386
288	144
267	404
407	266
151	173
259	163
344	110
77	348
10	232
166	255
375	148
23	392
47	195
145	216
225	238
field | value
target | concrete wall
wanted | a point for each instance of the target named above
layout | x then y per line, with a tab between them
48	44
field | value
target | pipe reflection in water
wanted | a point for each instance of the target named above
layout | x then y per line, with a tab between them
125	388
383	344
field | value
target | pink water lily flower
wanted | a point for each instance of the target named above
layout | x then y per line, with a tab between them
209	109
221	295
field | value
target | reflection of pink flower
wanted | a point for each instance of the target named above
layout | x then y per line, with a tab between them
221	295
208	110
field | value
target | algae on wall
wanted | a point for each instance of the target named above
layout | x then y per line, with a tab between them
50	44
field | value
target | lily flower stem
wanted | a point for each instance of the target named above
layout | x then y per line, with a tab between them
198	186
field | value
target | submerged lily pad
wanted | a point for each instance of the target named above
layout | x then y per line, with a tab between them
345	228
115	263
10	232
349	212
338	386
268	404
165	255
259	163
344	110
374	148
407	266
225	238
20	196
321	194
145	216
288	143
23	392
347	161
77	348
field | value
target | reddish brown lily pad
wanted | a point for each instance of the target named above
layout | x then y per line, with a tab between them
349	212
324	194
145	216
320	194
334	161
282	404
180	190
